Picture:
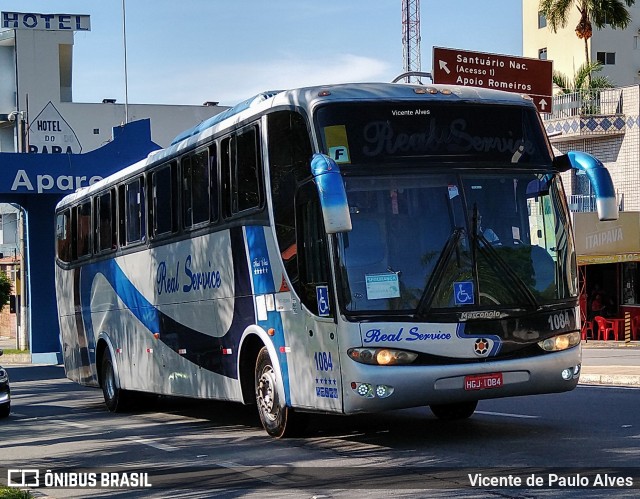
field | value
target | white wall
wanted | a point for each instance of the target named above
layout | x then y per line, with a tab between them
566	50
166	121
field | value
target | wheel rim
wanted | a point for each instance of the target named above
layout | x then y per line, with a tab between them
110	382
267	395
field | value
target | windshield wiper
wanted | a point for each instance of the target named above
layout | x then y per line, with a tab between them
492	255
424	305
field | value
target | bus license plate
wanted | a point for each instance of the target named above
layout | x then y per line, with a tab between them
483	381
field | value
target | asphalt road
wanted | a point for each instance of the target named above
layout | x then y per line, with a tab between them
214	449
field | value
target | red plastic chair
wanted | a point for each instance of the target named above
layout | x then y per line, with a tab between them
587	330
635	328
604	328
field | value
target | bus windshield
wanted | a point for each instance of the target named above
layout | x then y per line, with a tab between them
427	242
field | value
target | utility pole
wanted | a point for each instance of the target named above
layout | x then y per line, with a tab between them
411	37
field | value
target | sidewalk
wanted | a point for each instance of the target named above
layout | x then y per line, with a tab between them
610	363
603	362
11	344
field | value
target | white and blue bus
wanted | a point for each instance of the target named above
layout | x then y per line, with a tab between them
339	249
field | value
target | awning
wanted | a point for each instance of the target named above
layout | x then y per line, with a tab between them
596	259
614	241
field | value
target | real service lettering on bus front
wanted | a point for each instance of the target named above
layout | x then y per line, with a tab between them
340	249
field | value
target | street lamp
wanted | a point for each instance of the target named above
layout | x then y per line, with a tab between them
20	119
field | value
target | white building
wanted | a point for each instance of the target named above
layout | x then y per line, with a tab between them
36	91
607	125
618	50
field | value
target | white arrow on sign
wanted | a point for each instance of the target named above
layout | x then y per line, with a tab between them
543	104
443	65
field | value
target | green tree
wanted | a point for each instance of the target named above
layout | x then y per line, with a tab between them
5	289
583	80
598	13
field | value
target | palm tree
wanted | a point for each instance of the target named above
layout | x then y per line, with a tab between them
585	85
592	12
583	80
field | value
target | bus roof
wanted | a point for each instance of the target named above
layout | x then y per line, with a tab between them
308	98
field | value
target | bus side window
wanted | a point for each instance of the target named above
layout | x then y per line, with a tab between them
227	163
248	164
104	214
213	176
313	259
82	230
63	236
162	216
195	188
289	153
134	219
241	167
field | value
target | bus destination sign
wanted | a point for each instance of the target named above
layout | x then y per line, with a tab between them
499	72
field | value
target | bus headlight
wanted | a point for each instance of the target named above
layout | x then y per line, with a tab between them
381	356
560	342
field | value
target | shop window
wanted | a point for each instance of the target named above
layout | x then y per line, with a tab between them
630	283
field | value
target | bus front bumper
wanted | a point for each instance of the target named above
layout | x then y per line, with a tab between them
370	388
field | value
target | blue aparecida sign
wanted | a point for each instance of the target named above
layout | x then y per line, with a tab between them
37	182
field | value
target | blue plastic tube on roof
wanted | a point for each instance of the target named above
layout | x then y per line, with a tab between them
600	179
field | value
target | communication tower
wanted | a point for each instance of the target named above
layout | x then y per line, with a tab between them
411	37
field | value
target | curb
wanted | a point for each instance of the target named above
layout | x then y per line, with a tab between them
609	344
610	379
15	358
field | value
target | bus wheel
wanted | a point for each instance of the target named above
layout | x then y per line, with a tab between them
115	398
277	419
451	412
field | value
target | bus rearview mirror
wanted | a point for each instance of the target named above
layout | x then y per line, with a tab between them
333	197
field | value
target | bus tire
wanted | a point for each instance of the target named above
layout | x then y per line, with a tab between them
277	419
452	412
115	398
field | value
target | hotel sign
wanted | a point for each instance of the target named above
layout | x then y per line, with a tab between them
46	22
49	133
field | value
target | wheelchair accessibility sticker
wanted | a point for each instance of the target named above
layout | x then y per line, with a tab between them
463	293
322	297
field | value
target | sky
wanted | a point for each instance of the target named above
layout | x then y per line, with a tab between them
192	51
